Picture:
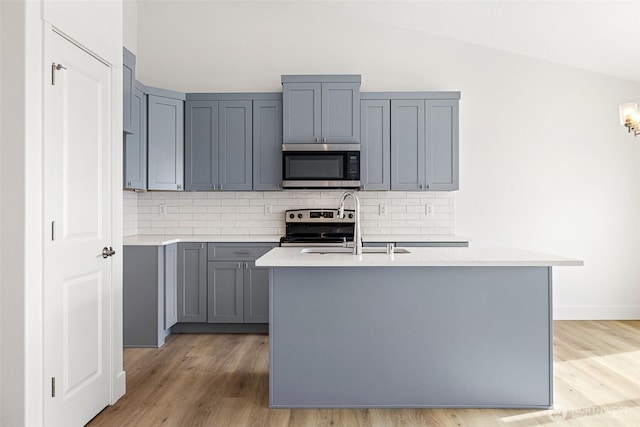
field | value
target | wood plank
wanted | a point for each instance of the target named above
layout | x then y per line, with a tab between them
223	380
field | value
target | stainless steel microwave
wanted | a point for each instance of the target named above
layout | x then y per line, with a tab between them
321	166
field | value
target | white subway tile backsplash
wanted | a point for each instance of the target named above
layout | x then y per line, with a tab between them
227	212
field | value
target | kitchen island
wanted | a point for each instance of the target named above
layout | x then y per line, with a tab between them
435	327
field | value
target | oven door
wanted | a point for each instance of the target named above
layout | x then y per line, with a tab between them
320	169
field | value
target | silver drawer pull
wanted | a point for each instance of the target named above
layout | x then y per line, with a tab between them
242	253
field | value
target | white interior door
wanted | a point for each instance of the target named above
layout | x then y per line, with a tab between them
77	278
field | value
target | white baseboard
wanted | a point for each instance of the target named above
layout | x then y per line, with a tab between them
596	312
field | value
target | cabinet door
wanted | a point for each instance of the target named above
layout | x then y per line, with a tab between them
302	113
135	148
235	169
267	145
192	282
341	113
375	144
256	294
166	143
224	292
170	285
442	145
201	145
408	145
128	84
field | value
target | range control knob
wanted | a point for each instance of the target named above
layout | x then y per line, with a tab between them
350	216
291	216
300	216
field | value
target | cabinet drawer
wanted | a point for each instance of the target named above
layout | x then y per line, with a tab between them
218	251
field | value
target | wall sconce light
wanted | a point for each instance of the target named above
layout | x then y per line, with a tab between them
630	118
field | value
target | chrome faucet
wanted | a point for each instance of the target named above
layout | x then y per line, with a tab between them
357	234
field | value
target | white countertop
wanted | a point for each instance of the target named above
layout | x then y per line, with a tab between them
166	239
418	257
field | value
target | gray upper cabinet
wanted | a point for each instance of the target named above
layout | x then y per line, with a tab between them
128	85
201	145
221	135
192	282
218	145
165	140
321	109
375	148
135	144
442	144
170	285
267	144
302	112
341	113
422	132
235	145
408	145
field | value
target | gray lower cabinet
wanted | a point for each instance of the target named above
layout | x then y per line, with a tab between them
128	84
165	140
218	145
224	292
375	147
144	294
256	293
192	282
267	144
321	109
135	144
237	290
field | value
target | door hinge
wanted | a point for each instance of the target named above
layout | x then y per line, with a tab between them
53	230
55	67
53	386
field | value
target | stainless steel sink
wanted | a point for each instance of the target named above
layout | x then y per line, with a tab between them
334	250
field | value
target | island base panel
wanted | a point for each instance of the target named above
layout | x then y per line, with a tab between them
410	337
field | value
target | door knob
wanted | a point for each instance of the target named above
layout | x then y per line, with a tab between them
107	252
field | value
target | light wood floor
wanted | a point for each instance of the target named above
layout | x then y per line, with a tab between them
223	380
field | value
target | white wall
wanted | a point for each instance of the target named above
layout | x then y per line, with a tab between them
130	25
544	162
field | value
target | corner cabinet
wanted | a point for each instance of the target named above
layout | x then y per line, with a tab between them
165	139
410	141
135	144
321	109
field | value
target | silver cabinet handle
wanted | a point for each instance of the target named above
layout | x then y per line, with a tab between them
220	186
179	186
107	252
246	265
317	140
242	253
324	140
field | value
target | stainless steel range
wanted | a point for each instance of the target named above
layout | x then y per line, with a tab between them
321	227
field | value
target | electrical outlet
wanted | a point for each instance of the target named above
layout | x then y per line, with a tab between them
162	209
430	209
382	209
268	209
